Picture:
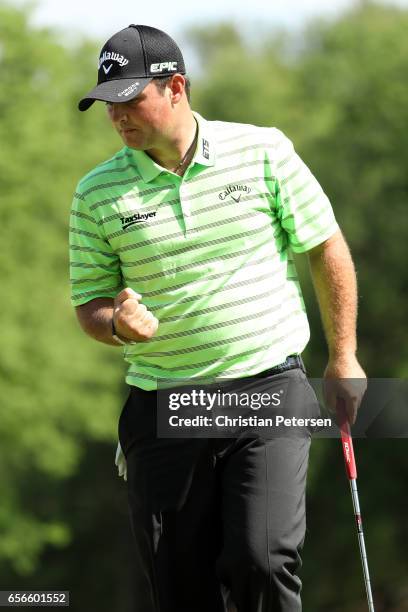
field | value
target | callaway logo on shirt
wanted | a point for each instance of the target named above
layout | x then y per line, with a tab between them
231	189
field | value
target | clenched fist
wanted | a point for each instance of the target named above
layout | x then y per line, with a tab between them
132	320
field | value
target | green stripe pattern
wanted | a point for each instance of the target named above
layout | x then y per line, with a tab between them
210	252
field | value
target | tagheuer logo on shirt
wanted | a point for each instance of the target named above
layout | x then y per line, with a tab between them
235	191
136	218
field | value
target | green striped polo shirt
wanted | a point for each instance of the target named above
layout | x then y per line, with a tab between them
210	252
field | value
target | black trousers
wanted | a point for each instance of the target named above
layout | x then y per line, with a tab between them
222	519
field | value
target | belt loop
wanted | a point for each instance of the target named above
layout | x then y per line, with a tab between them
302	365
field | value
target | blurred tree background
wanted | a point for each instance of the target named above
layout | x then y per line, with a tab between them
339	91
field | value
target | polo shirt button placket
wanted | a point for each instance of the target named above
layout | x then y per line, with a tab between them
185	207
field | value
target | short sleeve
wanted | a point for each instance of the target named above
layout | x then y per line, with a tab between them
304	209
94	266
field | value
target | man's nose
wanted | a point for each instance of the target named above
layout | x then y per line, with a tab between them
119	112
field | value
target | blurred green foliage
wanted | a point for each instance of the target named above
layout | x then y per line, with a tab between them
58	390
339	90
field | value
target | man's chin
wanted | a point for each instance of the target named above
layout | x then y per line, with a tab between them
134	140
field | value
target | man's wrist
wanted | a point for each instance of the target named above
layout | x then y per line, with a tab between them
120	339
342	354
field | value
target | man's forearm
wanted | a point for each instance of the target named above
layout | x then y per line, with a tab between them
335	284
95	318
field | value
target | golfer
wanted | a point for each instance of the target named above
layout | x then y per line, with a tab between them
182	254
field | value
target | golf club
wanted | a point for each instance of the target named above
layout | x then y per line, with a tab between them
351	470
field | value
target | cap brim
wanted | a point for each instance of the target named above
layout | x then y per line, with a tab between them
120	90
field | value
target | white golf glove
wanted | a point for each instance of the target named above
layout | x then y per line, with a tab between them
120	462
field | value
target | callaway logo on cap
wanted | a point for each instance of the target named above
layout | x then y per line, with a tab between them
130	60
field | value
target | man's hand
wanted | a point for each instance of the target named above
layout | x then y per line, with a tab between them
344	379
132	320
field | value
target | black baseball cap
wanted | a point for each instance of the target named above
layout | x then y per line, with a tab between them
130	60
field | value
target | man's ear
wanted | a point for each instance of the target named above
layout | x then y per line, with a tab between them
177	87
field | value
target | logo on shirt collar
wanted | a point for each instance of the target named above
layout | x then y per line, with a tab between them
206	149
136	218
235	191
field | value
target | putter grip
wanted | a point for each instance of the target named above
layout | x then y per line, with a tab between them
347	441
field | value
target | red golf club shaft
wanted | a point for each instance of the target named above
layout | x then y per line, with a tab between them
351	470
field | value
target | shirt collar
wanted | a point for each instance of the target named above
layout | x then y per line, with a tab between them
204	155
205	152
147	167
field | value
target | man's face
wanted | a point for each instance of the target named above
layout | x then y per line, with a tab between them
144	122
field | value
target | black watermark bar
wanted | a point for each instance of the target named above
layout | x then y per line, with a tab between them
18	599
283	405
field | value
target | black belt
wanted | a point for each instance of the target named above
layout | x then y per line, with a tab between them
290	363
